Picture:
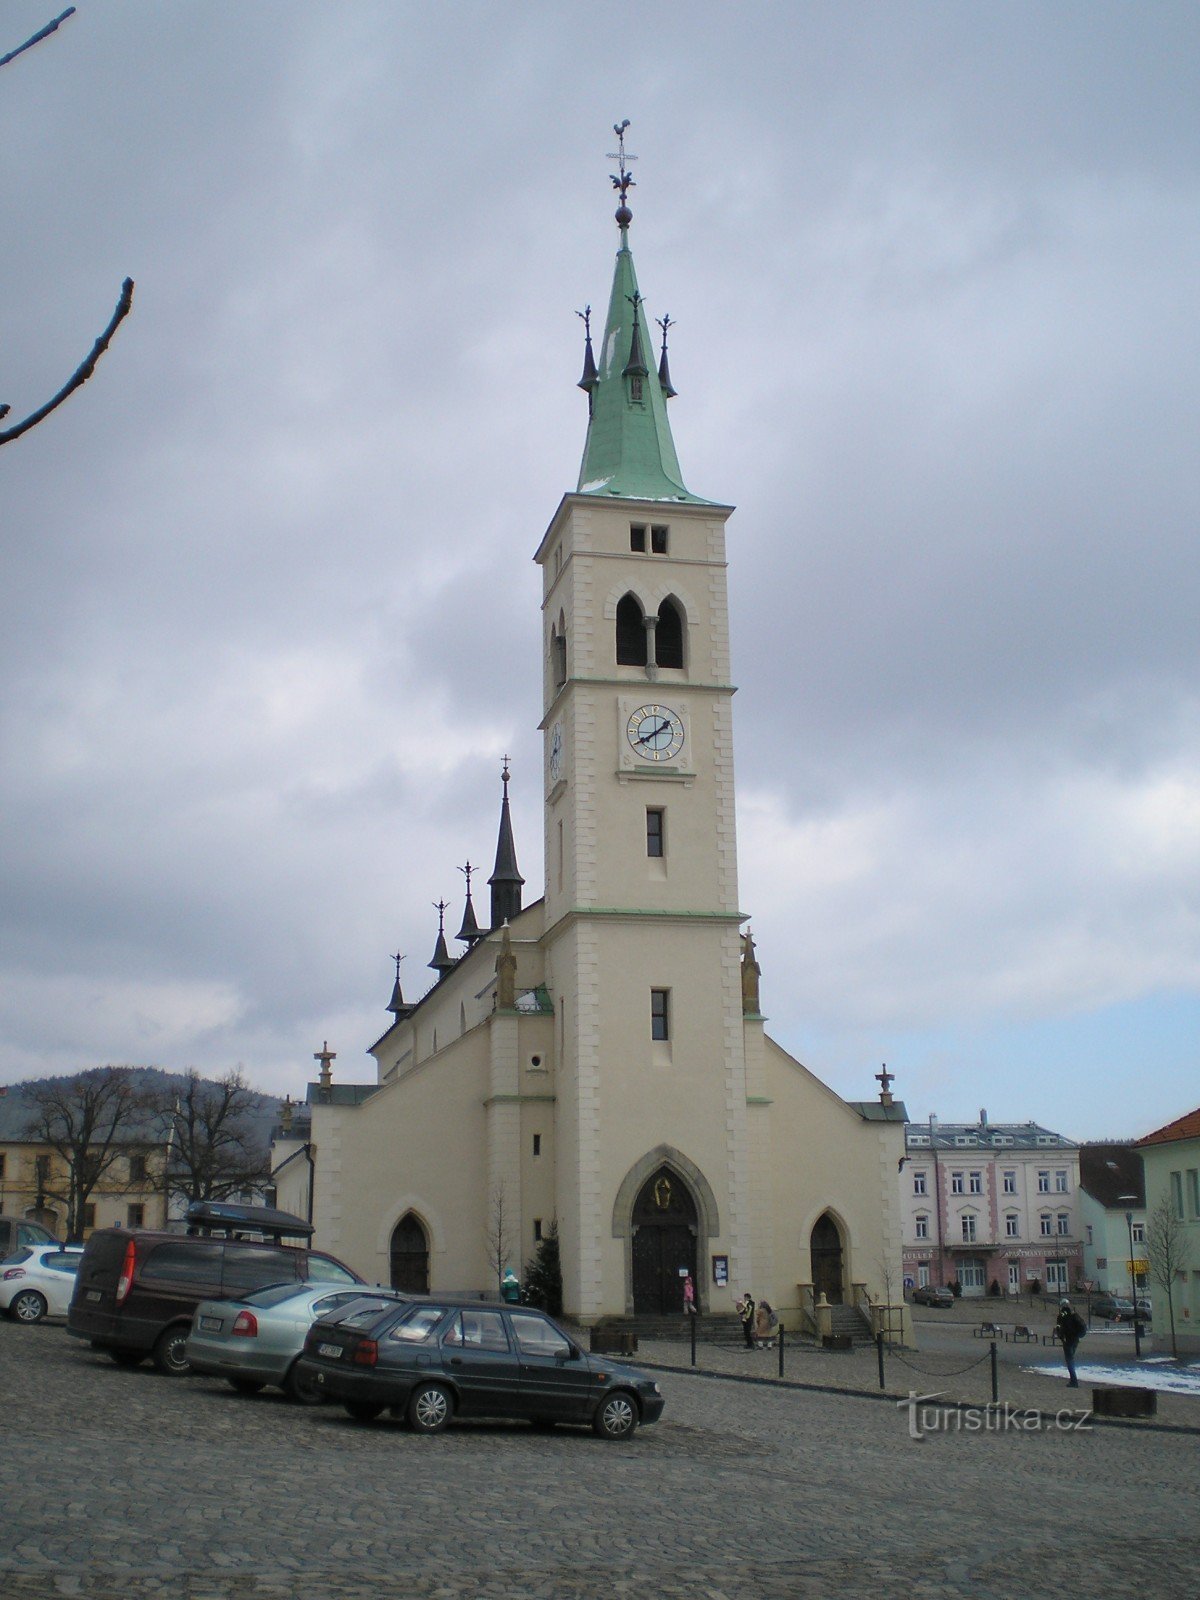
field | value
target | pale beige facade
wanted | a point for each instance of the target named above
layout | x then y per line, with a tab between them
598	1058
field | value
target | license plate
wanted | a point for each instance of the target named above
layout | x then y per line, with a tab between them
93	1294
333	1351
211	1324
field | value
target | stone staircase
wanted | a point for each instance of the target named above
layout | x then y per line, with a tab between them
850	1322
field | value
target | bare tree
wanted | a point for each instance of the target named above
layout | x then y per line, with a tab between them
88	365
1167	1250
213	1149
88	1121
497	1234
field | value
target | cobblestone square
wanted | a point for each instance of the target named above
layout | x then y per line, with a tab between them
123	1485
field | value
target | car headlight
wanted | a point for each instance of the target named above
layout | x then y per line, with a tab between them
650	1388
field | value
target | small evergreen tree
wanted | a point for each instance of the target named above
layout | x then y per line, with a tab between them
543	1274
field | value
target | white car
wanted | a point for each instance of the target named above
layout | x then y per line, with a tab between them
38	1280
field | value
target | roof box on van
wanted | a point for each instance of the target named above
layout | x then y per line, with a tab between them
216	1216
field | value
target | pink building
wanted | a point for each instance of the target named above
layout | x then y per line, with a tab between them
990	1203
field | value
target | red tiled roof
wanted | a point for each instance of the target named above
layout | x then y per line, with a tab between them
1185	1127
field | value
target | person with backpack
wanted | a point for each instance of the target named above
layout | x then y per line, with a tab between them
1069	1328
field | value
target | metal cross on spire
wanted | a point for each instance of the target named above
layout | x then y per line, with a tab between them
466	872
441	908
397	958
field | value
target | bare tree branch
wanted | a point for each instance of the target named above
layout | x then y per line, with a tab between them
81	374
42	33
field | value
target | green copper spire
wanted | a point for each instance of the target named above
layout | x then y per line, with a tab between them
629	451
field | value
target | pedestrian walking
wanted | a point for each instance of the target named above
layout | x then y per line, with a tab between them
1069	1328
746	1309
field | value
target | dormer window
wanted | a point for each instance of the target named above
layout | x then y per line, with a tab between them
635	389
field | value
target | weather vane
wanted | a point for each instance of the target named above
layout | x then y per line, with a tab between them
624	182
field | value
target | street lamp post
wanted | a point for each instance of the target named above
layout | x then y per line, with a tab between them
1137	1326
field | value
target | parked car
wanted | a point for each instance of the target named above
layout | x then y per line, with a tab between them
1145	1308
1112	1308
257	1339
136	1292
928	1294
435	1360
16	1232
37	1281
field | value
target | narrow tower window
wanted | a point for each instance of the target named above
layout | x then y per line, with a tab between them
660	1019
655	830
668	636
658	540
637	538
537	1144
631	633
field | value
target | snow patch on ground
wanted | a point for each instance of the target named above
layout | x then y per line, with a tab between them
1156	1372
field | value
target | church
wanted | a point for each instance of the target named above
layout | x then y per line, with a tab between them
597	1059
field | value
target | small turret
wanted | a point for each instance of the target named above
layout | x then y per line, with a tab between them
396	1005
442	959
470	933
506	881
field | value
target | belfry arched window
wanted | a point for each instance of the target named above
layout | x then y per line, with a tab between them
668	635
631	633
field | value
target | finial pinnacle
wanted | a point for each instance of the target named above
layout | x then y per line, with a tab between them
624	182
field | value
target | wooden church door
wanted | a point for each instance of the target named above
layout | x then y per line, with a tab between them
410	1256
826	1248
664	1241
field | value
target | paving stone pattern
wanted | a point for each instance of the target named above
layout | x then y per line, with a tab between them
119	1485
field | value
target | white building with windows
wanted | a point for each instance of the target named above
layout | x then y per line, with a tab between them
993	1207
1112	1214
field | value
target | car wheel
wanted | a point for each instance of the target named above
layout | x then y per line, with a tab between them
170	1352
245	1385
363	1410
127	1358
617	1416
429	1409
302	1387
28	1306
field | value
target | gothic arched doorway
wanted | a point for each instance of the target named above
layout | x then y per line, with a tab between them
410	1256
826	1248
664	1243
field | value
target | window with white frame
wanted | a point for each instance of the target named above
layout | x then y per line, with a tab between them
1139	1233
956	1184
1046	1224
1043	1183
1012	1226
1010	1183
975	1182
968	1227
922	1227
919	1183
1064	1222
1177	1194
1060	1183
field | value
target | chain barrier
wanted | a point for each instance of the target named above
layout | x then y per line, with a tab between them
937	1372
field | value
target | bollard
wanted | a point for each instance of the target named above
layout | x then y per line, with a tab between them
879	1350
692	1320
781	1349
995	1377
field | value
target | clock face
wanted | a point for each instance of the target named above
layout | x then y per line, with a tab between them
556	751
655	733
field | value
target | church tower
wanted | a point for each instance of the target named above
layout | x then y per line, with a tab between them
641	930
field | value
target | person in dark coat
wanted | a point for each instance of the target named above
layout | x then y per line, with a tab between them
746	1309
1069	1328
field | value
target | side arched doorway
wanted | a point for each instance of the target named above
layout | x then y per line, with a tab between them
410	1256
828	1277
664	1243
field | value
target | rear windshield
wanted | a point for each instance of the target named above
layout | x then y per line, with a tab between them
276	1294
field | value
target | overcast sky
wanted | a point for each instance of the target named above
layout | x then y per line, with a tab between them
269	620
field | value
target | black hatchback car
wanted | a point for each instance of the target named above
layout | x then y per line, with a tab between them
438	1359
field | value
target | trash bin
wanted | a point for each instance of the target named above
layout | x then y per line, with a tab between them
1108	1400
